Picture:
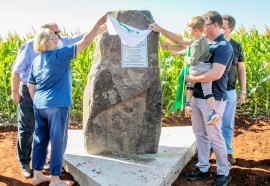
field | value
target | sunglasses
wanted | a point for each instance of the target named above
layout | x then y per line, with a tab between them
57	33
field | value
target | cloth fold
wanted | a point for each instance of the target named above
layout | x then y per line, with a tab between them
129	35
180	98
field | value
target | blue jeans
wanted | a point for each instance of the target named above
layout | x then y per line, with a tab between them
51	125
228	119
26	122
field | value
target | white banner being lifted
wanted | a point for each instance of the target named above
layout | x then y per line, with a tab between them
129	35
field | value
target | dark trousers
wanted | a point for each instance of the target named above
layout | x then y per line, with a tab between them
51	125
26	124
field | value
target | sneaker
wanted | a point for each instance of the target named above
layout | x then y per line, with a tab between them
188	111
231	159
213	118
46	166
222	180
26	171
198	175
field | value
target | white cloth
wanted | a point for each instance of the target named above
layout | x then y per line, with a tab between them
129	35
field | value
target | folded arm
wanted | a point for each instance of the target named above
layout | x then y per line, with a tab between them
213	74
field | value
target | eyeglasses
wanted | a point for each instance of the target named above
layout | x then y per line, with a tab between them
57	33
209	24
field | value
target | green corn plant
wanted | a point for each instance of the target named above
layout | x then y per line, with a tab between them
256	48
80	68
8	52
170	68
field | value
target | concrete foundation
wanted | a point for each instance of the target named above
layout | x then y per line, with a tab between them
176	147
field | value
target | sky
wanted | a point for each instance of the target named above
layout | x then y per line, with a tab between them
24	16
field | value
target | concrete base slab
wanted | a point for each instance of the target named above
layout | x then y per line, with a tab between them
177	146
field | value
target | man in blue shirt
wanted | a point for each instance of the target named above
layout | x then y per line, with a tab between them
20	95
221	59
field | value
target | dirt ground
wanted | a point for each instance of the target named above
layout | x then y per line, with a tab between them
251	150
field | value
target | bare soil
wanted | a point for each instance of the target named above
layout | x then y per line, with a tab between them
251	150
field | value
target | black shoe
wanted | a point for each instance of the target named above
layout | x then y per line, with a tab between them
198	175
222	180
46	166
26	171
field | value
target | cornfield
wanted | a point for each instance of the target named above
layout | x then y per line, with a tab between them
257	60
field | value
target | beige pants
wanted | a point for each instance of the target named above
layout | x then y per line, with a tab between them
206	135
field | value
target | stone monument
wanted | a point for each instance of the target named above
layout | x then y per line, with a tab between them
122	108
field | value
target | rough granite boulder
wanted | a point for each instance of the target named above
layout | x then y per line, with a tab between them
122	106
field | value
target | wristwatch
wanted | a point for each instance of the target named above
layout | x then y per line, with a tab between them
243	92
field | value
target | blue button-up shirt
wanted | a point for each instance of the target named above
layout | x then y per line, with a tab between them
26	56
